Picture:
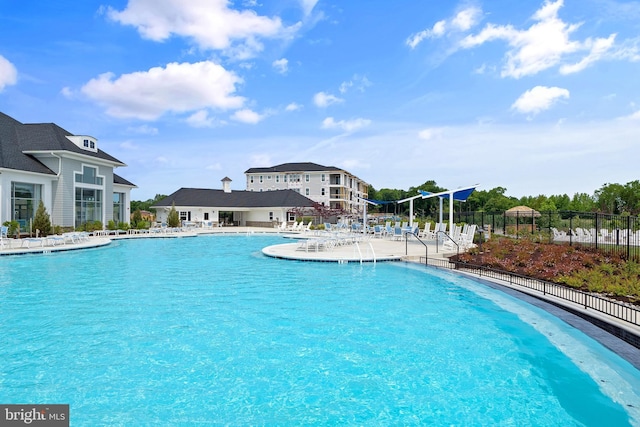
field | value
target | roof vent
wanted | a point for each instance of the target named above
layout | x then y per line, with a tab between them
226	184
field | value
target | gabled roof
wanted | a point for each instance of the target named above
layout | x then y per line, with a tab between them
202	197
18	139
117	179
294	167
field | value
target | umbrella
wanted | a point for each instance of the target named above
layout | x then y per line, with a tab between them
523	211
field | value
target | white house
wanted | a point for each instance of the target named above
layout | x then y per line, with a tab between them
74	178
243	208
330	186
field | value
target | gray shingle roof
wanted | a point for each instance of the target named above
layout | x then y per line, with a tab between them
201	197
117	179
16	138
294	167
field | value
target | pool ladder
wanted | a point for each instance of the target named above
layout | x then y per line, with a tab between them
373	253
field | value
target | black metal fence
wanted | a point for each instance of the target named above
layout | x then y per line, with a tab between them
618	234
619	310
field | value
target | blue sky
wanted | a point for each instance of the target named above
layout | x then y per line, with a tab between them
539	97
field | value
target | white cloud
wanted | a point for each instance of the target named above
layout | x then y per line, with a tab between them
281	65
308	5
8	73
128	145
345	125
538	99
67	92
260	160
201	119
543	45
429	133
293	107
633	116
214	167
464	20
210	24
598	48
247	116
178	88
322	99
359	82
143	130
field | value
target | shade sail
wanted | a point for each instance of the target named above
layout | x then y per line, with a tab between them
379	202
460	195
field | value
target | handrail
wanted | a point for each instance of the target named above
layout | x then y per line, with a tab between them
406	244
359	252
448	237
373	253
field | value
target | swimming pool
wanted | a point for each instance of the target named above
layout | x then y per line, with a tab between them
208	330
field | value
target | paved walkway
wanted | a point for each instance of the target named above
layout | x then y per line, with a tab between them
352	248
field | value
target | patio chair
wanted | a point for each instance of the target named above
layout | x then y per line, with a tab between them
4	237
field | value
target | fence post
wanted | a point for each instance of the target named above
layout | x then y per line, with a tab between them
570	229
596	229
628	237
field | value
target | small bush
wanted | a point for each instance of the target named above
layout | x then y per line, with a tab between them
42	221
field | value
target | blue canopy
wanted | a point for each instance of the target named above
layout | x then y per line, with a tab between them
379	202
461	195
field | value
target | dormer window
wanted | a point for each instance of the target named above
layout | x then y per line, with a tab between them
84	142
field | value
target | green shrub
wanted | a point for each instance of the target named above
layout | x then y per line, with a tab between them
42	221
13	227
173	219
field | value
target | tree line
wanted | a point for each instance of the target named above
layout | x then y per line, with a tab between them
610	198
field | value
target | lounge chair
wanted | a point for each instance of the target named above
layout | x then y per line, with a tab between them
425	232
54	240
38	241
4	237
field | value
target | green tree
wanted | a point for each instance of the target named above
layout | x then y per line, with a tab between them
146	205
609	198
41	221
582	202
562	202
631	197
173	219
136	218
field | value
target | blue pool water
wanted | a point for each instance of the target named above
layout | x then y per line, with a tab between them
207	330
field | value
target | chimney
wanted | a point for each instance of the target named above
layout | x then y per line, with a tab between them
226	184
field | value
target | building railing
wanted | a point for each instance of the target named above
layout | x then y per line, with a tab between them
619	310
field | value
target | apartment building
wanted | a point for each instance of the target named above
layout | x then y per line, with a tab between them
328	185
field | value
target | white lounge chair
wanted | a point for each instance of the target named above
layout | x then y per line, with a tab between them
425	232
